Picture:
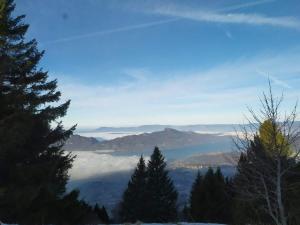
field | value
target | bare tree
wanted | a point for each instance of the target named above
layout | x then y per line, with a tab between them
269	152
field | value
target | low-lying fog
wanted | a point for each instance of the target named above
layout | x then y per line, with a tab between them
88	164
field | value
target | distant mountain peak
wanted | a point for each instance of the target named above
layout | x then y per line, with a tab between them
77	142
159	127
168	138
168	129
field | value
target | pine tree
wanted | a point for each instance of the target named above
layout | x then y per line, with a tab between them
185	214
102	214
105	216
207	197
33	165
134	197
293	195
250	203
210	198
269	158
195	198
161	193
70	210
223	198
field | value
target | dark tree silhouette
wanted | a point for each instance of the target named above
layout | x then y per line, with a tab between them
33	165
210	199
134	197
195	198
102	214
161	193
268	158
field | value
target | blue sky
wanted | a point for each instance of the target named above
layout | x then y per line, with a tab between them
131	62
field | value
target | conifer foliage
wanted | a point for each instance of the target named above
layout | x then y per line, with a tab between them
195	198
210	199
150	195
102	214
33	165
251	209
134	197
268	165
161	193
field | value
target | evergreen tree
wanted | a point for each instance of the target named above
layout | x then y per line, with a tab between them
250	204
268	159
210	199
185	214
207	198
223	198
105	216
161	193
97	210
134	197
293	194
70	210
33	165
102	214
249	210
195	198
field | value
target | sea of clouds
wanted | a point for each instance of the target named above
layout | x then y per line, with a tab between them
89	164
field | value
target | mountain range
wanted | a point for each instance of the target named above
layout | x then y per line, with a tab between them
205	128
166	139
151	128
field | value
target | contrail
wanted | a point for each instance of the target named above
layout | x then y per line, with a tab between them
111	31
144	25
214	16
245	5
274	79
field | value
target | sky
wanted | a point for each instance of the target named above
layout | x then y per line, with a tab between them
134	62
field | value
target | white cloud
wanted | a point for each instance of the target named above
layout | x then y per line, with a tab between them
232	18
217	95
89	164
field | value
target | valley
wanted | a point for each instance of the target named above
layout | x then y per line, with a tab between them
102	168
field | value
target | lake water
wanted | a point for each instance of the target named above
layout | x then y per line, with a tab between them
181	153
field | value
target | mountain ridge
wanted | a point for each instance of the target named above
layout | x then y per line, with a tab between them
217	128
77	142
158	127
168	138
